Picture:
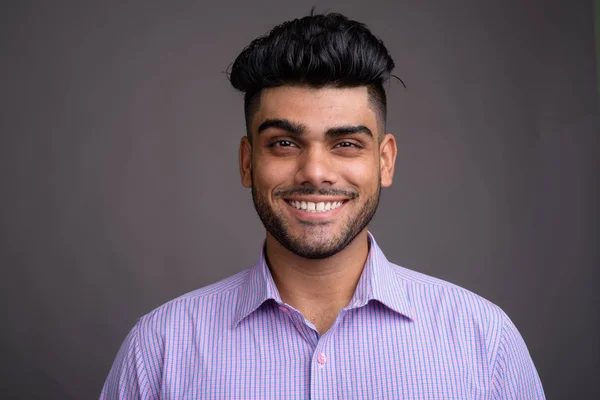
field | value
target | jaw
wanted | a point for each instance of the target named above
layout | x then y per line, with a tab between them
313	235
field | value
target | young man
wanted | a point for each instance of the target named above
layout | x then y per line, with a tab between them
323	314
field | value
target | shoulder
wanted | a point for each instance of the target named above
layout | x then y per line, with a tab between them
425	291
453	309
480	328
195	307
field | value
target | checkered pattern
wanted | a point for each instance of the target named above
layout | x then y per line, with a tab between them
404	335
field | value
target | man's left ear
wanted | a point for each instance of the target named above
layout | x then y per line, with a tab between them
387	159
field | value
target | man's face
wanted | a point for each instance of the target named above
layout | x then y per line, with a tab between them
316	166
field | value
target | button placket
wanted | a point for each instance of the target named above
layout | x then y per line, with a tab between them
322	353
298	321
323	377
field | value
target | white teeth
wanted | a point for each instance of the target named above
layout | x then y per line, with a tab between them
320	207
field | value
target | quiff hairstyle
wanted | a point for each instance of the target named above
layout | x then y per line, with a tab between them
316	51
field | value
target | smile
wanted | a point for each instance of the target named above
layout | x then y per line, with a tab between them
315	207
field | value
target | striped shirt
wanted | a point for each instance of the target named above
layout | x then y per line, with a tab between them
404	335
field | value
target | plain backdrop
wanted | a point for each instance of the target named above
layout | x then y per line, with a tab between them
120	188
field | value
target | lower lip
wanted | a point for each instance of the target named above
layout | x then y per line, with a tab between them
315	216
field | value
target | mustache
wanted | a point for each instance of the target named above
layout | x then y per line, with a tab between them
312	191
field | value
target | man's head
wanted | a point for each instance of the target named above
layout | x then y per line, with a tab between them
316	154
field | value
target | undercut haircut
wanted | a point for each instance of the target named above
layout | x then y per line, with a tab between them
317	51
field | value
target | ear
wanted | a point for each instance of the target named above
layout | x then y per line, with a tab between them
387	159
245	160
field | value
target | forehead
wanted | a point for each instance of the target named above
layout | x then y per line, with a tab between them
316	108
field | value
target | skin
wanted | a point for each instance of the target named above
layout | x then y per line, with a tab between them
314	145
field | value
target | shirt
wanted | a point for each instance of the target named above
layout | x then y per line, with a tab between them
404	335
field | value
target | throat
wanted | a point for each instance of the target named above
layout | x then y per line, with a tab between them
318	288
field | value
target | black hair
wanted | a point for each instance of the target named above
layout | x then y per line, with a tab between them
316	50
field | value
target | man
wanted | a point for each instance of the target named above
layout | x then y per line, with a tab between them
323	314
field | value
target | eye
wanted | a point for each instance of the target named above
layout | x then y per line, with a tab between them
347	144
281	143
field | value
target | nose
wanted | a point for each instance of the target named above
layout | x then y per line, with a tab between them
316	169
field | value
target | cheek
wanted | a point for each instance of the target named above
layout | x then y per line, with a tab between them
269	174
361	174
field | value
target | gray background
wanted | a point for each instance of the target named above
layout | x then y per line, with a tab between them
120	187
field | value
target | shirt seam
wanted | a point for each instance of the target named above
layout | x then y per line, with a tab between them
143	370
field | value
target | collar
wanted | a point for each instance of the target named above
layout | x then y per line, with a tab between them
379	281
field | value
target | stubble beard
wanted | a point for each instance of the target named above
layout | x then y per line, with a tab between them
275	224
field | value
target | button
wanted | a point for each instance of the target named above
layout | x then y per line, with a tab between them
284	309
322	358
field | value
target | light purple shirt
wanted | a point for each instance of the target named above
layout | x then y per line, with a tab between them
404	335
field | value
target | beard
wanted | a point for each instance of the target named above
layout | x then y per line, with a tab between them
314	243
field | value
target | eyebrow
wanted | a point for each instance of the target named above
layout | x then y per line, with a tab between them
348	130
299	129
283	124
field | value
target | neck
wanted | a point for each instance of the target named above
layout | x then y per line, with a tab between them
318	288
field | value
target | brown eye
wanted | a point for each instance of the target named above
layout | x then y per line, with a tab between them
281	143
347	144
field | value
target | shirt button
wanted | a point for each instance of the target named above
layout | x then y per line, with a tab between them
322	358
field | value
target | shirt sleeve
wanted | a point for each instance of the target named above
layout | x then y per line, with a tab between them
128	378
514	374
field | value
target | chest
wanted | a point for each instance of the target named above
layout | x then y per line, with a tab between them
361	356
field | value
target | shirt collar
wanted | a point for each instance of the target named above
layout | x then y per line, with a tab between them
379	281
257	288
